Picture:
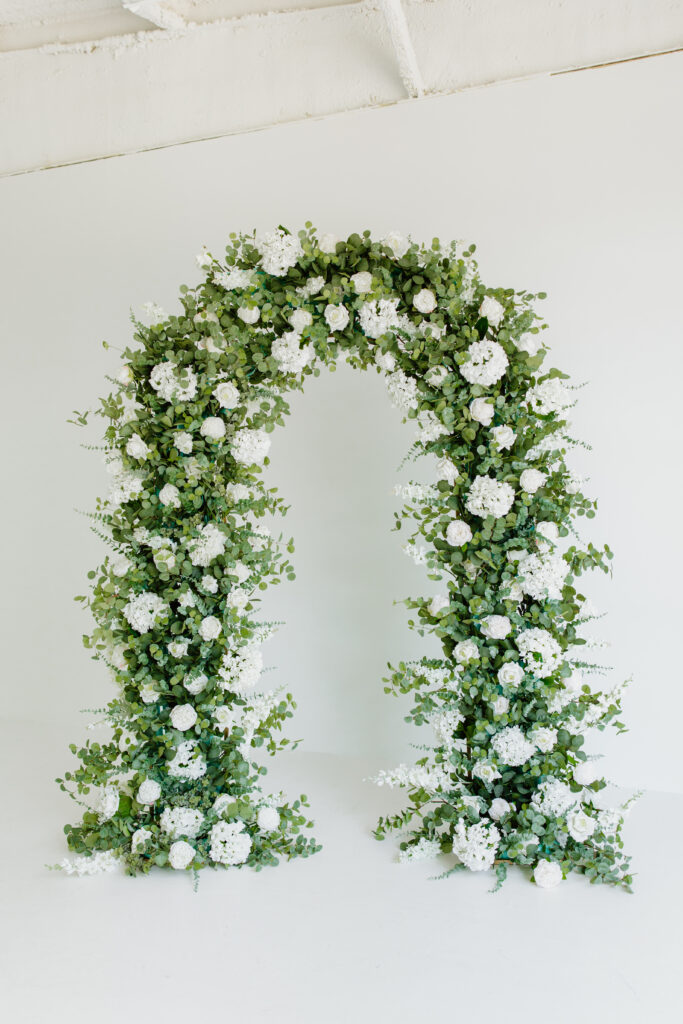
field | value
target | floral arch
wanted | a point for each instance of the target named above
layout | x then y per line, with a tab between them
175	601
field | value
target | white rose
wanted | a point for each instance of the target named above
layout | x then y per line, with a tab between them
397	242
510	674
178	648
183	717
531	480
504	437
149	792
136	448
120	565
586	773
183	442
268	819
337	317
446	470
437	604
212	428
499	808
497	627
125	375
139	838
170	495
210	628
547	874
548	530
300	319
195	685
328	243
486	772
362	282
492	310
481	411
458	533
249	314
180	855
227	395
465	651
148	695
545	739
529	343
210	584
501	706
425	301
581	825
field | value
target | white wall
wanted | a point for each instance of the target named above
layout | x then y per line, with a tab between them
569	184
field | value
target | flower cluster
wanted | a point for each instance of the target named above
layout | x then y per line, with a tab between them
176	601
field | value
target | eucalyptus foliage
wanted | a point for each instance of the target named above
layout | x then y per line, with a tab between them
175	602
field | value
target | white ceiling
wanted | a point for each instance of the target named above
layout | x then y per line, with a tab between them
85	79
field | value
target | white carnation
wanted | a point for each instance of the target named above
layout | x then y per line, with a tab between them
499	808
183	442
268	819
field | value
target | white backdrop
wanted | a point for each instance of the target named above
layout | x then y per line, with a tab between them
568	184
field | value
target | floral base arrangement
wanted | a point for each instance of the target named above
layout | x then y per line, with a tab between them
175	602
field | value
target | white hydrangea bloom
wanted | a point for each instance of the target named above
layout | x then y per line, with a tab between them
230	843
208	545
423	849
543	576
237	492
183	442
312	287
541	652
554	798
431	428
241	669
476	845
187	763
268	819
279	252
529	343
181	821
139	839
511	746
489	497
445	724
250	447
100	862
148	792
446	470
290	355
550	396
107	803
210	584
378	317
402	390
172	384
126	486
234	279
213	428
386	361
144	611
487	363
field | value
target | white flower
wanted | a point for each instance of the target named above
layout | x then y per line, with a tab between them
550	396
402	390
510	674
586	772
249	314
543	576
250	447
204	258
423	849
180	855
511	746
609	820
230	843
487	363
170	495
501	706
238	599
152	313
328	243
234	279
148	694
279	252
378	316
476	845
529	343
136	448
446	470
397	242
241	669
212	428
227	395
300	319
139	838
181	821
183	442
549	531
210	628
497	627
208	545
312	287
196	684
120	565
531	479
149	792
581	826
541	652
437	604
547	874
489	497
183	717
504	437
386	361
499	808
172	386
125	375
268	819
544	738
488	773
431	427
481	411
553	798
187	763
436	375
144	611
289	354
337	317
458	533
210	584
465	651
492	310
178	648
445	724
425	301
107	802
362	282
93	864
237	492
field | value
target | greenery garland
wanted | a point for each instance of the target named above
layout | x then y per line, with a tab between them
189	423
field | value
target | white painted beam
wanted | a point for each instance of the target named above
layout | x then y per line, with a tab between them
403	46
156	13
